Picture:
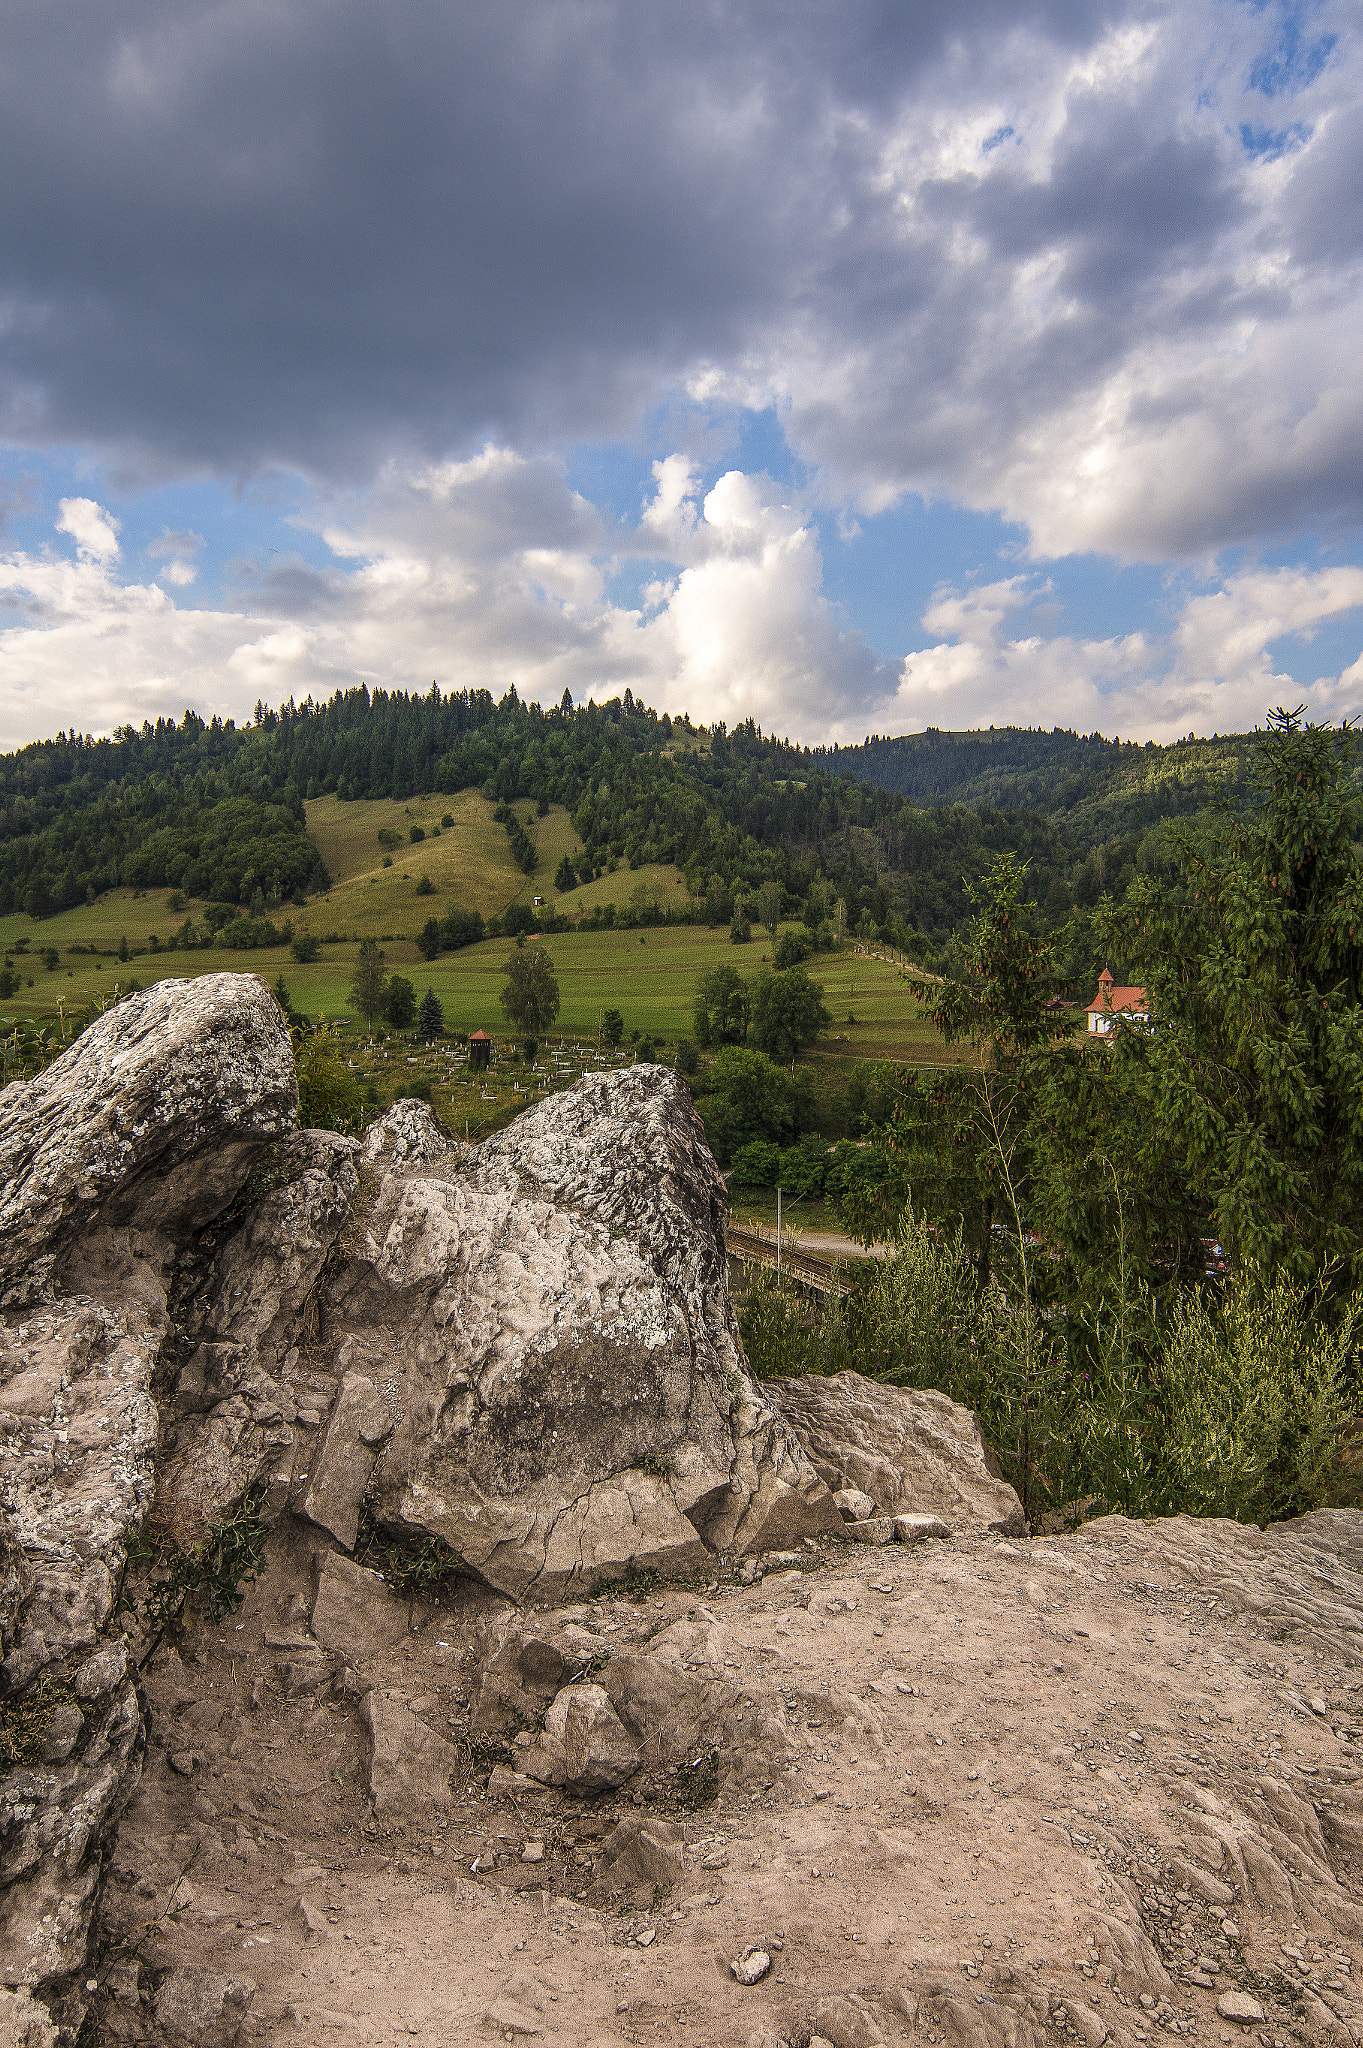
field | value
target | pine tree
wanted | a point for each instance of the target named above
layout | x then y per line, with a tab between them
430	1018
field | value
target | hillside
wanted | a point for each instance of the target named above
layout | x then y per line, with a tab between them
329	819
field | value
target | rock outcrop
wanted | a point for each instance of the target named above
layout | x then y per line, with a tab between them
549	1318
110	1161
149	1124
906	1451
525	1350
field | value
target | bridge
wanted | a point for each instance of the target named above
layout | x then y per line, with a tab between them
807	1271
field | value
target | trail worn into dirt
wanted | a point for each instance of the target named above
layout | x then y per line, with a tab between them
1091	1787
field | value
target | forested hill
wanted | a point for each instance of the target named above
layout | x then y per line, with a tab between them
1107	786
893	831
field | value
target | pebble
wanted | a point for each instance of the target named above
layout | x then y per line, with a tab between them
1319	1706
1240	2007
646	1937
752	1966
533	1852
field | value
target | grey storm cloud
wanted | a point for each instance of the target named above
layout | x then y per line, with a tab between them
325	235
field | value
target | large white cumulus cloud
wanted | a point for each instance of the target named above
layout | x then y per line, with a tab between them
492	572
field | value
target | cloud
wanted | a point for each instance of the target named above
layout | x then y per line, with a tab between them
1018	255
177	551
1214	672
94	530
493	572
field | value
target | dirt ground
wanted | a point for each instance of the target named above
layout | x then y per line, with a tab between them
1051	1791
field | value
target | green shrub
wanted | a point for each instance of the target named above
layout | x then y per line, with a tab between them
328	1093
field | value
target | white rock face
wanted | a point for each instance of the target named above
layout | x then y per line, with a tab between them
150	1120
551	1314
909	1452
110	1159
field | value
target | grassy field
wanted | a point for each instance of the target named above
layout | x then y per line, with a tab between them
650	976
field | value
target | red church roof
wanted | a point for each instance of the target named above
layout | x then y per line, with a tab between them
1111	996
486	1036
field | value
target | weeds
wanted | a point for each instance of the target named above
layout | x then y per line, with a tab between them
634	1583
412	1570
697	1783
656	1465
209	1578
24	1722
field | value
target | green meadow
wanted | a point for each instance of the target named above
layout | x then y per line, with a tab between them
649	975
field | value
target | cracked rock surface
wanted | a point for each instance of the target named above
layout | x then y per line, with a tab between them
111	1161
549	1319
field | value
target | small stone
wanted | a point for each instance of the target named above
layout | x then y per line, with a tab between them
752	1966
533	1852
646	1937
916	1528
854	1505
314	1919
1240	2007
877	1529
186	1761
1231	1930
1320	1706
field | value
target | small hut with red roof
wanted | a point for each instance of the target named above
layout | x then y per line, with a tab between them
480	1049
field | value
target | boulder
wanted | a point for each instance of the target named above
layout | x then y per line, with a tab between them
552	1312
911	1451
344	1464
854	1505
409	1764
150	1121
644	1854
584	1746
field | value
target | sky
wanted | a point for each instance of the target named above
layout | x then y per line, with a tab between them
852	368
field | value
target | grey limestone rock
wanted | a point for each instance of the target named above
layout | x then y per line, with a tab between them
110	1160
553	1314
912	1452
354	1615
344	1463
151	1120
202	2008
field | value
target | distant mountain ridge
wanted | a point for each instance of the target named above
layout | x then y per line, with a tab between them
1059	774
887	837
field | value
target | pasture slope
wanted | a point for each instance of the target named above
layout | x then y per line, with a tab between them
650	976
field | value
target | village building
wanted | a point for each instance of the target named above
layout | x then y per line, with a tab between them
480	1049
1112	1004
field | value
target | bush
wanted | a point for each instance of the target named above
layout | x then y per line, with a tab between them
688	1059
757	1165
748	1098
1230	1402
791	949
328	1093
1258	1394
425	887
305	948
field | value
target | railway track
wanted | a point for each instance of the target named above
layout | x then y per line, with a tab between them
803	1269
